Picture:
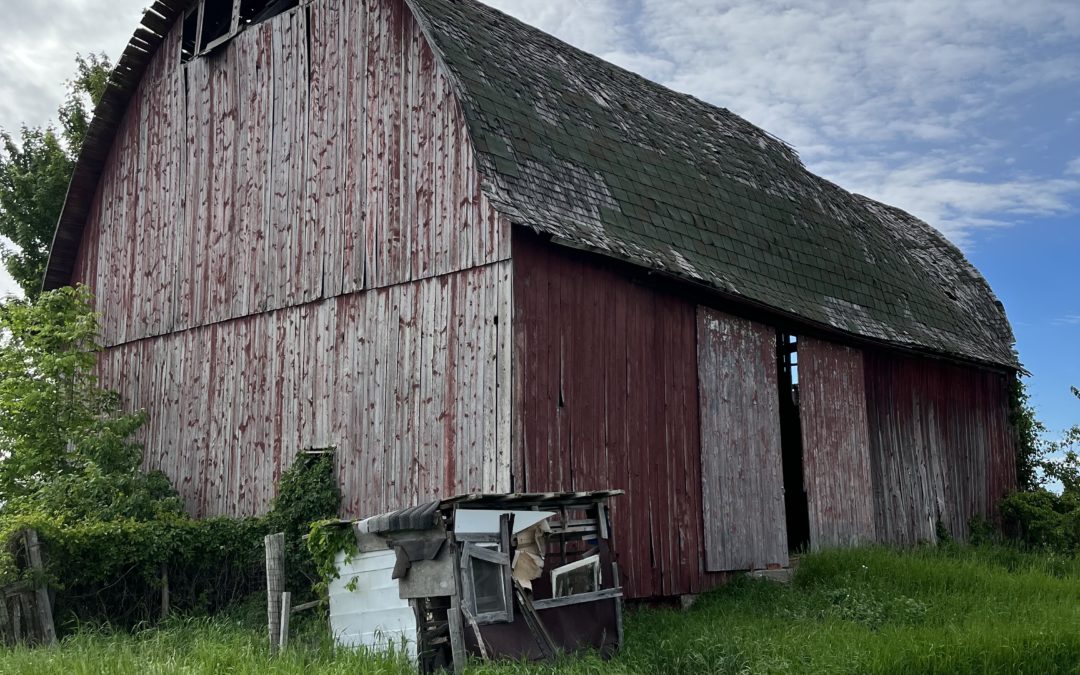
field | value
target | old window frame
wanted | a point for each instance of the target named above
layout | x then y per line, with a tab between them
235	26
493	553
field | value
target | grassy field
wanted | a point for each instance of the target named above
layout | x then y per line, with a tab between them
871	611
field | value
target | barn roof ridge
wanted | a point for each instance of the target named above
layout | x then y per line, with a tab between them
605	160
608	161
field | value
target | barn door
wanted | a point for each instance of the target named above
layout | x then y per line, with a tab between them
836	445
742	480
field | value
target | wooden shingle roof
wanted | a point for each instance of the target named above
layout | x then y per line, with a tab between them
605	160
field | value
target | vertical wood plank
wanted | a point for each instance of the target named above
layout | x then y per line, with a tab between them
742	484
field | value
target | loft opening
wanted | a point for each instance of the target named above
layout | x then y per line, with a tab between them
212	23
796	505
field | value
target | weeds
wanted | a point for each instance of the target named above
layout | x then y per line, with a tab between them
944	610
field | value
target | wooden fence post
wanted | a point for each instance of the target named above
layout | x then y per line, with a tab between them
286	610
41	590
164	592
275	585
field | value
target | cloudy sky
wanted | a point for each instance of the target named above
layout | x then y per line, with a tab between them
964	112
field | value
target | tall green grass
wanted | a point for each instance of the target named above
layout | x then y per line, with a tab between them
953	610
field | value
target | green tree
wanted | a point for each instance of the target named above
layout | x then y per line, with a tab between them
35	169
1063	462
1030	446
56	422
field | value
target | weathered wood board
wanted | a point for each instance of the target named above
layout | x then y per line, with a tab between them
741	476
836	445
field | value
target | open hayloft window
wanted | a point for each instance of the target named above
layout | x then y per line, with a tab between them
212	23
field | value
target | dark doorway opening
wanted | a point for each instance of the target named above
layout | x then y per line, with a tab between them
795	502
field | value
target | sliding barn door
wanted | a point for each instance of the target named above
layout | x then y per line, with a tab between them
836	445
742	478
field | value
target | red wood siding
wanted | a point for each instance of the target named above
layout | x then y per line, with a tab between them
741	472
403	381
941	447
836	445
284	170
606	381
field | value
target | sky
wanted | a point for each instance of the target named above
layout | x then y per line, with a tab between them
965	113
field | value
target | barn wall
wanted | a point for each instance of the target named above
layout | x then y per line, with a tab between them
318	154
606	397
405	382
941	448
741	462
836	444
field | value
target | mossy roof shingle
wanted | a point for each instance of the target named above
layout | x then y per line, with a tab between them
604	159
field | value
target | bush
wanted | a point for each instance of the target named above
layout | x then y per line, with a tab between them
110	532
1042	519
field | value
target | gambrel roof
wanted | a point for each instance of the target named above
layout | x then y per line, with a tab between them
604	160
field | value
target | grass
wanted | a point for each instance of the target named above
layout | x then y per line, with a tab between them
951	610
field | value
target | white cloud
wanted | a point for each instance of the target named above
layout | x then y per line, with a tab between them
849	82
40	42
1069	320
890	98
949	196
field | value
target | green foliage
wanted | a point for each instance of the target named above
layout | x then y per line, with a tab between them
1030	448
56	423
35	170
308	492
325	541
229	644
933	610
1044	519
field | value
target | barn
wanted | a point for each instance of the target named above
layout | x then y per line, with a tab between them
470	258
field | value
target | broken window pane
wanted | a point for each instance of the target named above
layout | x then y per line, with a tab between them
217	20
576	578
255	11
488	586
191	29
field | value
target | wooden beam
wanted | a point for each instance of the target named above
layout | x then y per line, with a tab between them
286	605
41	590
275	585
578	599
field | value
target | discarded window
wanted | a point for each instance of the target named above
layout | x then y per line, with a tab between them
576	578
497	575
487	584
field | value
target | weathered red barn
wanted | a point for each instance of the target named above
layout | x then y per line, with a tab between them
472	258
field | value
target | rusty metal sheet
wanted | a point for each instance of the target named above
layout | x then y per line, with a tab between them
741	474
836	445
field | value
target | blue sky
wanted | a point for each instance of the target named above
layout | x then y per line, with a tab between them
963	112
